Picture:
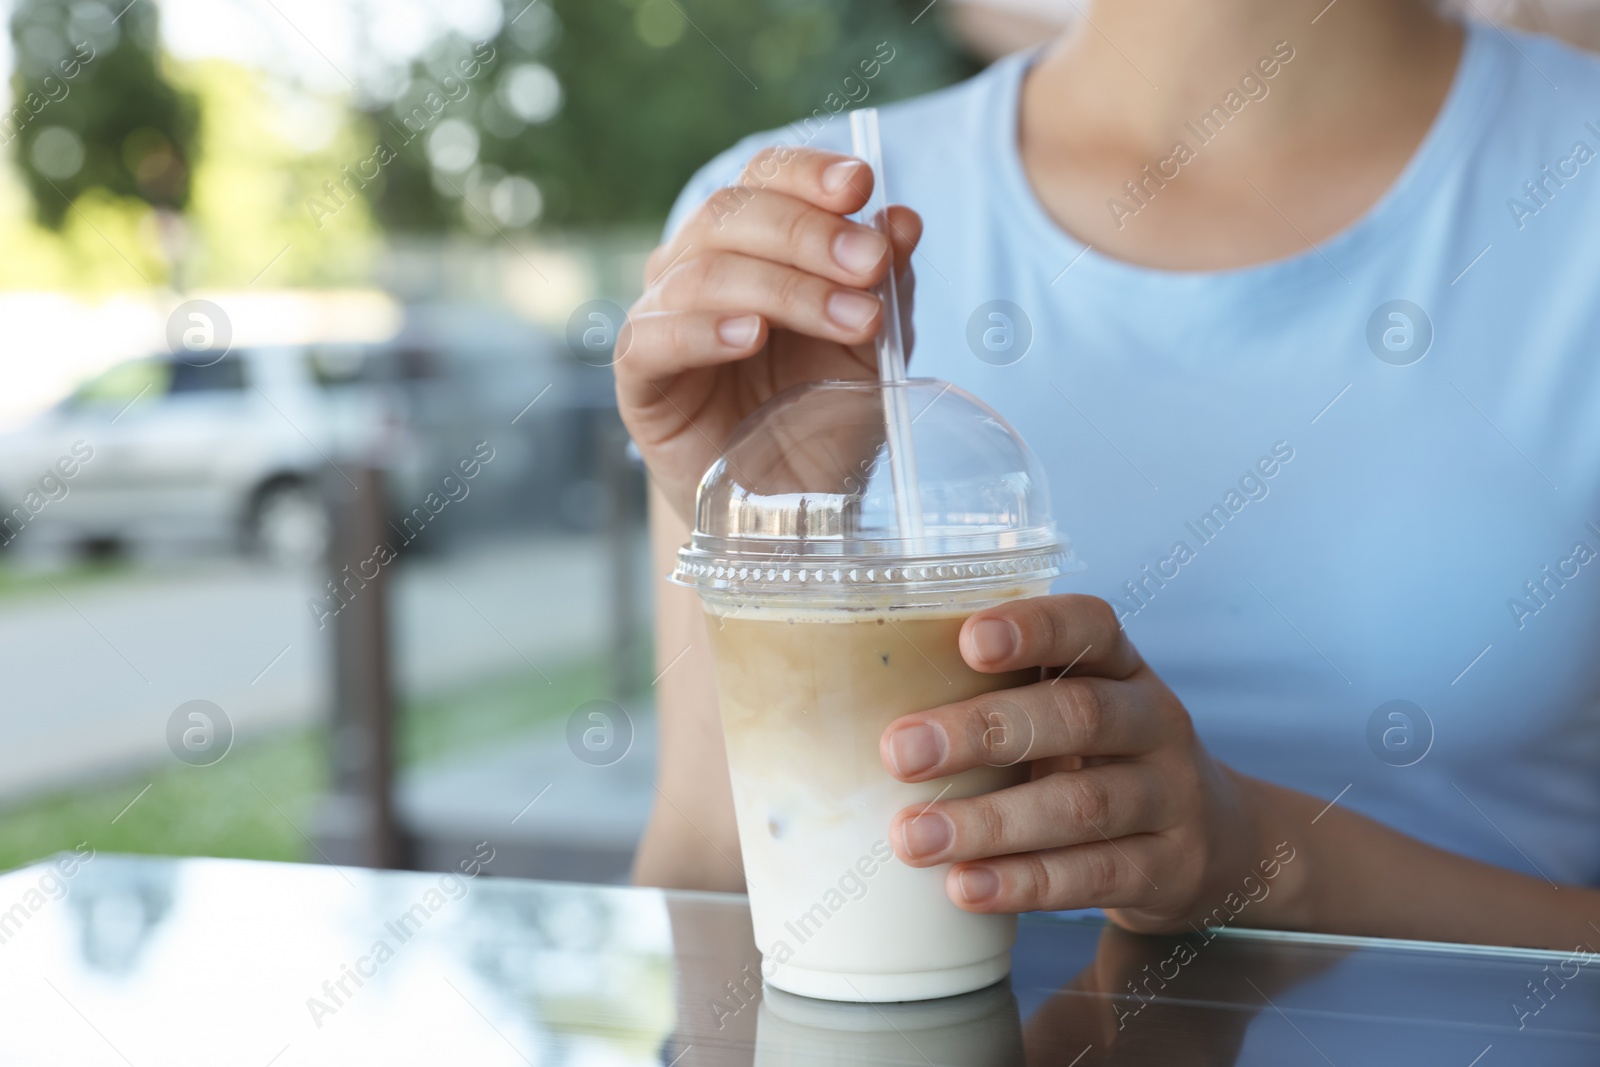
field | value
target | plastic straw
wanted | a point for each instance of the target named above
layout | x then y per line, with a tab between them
867	146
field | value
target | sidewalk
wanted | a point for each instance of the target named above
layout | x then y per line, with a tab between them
93	673
546	813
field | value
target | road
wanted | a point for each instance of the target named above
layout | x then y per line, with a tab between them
92	673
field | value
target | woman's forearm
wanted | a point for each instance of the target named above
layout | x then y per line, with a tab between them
1353	875
691	841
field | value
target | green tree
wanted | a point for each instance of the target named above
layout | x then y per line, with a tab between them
595	112
92	108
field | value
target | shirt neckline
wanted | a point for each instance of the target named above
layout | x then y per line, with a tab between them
1479	73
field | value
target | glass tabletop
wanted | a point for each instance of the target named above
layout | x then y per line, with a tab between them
162	963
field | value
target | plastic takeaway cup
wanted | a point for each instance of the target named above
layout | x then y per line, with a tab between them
826	623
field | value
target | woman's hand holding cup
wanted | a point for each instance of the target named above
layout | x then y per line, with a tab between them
1124	809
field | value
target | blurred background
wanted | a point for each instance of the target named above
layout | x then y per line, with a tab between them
320	538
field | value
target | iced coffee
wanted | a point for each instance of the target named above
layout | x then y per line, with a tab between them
825	626
805	696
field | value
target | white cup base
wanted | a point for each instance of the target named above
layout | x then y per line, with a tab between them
875	988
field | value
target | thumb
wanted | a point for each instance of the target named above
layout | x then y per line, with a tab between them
905	231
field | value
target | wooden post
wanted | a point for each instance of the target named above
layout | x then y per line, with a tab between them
623	523
359	824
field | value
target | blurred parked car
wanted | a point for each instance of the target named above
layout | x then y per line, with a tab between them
228	447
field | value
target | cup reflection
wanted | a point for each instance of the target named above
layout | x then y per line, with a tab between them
978	1029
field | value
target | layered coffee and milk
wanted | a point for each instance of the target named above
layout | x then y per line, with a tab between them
835	580
805	695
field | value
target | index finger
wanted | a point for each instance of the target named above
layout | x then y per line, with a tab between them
828	181
831	181
1070	717
1077	632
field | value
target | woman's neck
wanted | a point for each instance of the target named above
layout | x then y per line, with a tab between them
1144	67
1274	122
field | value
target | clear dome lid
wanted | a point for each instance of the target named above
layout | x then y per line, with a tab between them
809	494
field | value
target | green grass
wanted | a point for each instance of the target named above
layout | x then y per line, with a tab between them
255	802
215	811
16	583
496	708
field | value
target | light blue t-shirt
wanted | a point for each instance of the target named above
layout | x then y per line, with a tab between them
1366	473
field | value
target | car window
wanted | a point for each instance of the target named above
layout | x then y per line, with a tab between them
414	363
338	364
144	379
225	375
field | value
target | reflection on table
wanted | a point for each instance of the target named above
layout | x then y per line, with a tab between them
171	962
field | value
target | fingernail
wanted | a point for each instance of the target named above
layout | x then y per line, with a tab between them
928	834
852	310
978	884
995	640
858	251
838	176
917	748
740	331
